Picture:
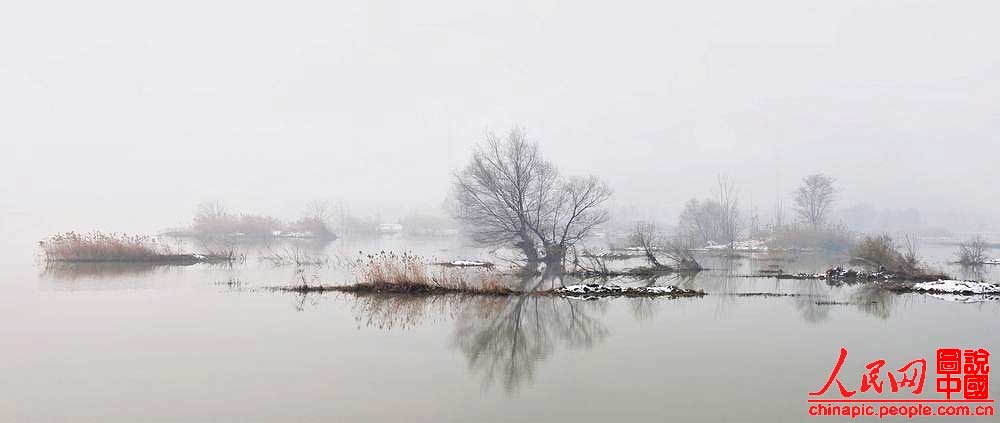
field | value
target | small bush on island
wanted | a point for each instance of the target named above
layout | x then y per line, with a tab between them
212	220
883	253
972	252
388	273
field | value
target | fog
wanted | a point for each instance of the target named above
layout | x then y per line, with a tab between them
123	116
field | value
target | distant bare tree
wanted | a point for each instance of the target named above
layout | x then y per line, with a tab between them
700	222
211	217
319	210
509	194
973	252
814	199
729	210
778	218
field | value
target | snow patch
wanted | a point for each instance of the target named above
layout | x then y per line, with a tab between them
957	287
967	299
470	263
750	245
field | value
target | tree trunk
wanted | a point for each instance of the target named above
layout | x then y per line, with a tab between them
527	247
555	256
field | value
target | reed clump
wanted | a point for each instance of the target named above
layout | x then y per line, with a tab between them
408	273
98	246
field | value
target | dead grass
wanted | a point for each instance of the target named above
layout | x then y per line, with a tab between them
392	273
98	246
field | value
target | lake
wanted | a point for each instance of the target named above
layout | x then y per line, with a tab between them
208	343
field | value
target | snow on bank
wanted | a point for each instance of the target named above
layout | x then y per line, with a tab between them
468	263
594	290
944	286
967	299
749	245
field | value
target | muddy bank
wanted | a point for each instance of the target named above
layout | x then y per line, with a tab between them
580	291
593	290
946	286
635	272
841	274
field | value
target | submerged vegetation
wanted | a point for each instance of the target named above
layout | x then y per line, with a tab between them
102	247
293	255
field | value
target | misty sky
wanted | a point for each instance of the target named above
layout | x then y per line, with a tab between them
145	109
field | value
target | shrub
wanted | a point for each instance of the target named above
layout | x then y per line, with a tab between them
973	252
878	251
883	252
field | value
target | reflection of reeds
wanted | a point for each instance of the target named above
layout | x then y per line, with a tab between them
396	311
98	270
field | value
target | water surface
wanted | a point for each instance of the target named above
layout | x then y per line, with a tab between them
205	343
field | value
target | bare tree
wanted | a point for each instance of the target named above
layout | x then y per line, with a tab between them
568	217
778	218
700	222
681	256
814	199
729	203
646	236
319	210
652	241
973	252
211	217
509	194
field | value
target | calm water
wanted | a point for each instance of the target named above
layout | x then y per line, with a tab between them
180	344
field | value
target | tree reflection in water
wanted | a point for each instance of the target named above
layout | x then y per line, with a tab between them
504	338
